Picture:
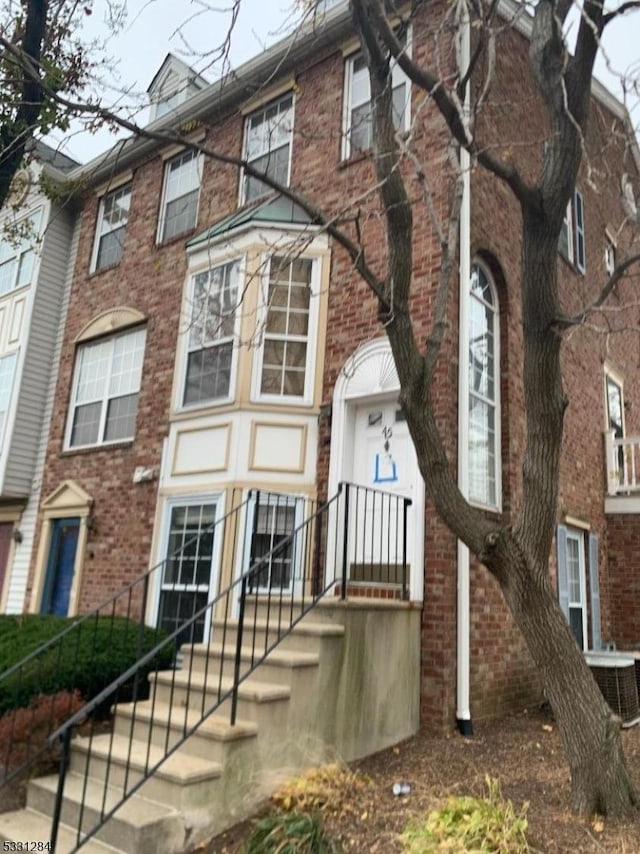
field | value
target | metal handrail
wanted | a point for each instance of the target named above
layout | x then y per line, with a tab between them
286	571
109	611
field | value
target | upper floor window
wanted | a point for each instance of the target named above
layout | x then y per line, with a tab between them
571	244
268	142
7	371
180	197
17	253
211	330
358	127
484	391
106	386
286	355
112	225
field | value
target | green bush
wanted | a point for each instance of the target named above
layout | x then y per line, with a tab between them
290	833
87	659
466	825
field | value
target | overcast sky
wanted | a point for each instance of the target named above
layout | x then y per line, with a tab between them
186	28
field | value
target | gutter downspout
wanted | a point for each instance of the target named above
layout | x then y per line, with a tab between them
463	712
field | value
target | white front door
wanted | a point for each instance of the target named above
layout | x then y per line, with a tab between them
385	473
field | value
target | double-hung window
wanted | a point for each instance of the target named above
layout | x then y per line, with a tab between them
7	371
484	391
112	225
572	244
286	353
358	128
105	390
211	333
17	254
180	198
268	143
277	547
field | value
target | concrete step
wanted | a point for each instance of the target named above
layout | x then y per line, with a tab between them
178	689
29	825
306	636
182	781
139	826
215	660
164	725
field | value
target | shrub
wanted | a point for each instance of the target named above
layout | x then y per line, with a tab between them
466	825
23	731
290	833
87	659
330	787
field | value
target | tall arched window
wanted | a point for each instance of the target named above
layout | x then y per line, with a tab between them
484	391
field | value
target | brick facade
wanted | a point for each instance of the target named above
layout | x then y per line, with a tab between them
150	279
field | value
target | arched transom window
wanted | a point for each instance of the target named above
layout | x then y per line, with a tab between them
484	391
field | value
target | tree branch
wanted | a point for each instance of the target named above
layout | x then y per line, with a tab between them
563	323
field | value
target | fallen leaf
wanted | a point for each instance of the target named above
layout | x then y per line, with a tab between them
547	727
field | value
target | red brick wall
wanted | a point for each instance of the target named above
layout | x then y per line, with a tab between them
150	279
623	582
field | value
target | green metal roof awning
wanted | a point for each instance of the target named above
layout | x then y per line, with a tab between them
272	210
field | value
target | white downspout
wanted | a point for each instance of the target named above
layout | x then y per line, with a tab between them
463	712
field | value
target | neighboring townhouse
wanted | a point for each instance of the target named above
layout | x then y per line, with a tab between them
220	353
36	245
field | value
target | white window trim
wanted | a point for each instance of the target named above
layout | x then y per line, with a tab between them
567	224
98	231
242	190
217	498
299	503
163	200
186	324
103	414
497	507
579	536
614	376
346	99
34	245
312	335
580	231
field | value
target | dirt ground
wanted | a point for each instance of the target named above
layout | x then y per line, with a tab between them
522	751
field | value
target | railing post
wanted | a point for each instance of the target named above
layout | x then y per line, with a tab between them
65	740
345	543
405	514
236	667
613	464
254	530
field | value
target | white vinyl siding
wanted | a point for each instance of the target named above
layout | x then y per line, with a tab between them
111	228
106	388
180	197
7	374
268	143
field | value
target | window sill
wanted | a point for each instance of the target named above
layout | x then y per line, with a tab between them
352	159
110	268
161	244
92	449
571	264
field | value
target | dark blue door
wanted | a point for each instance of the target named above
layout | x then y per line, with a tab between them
62	557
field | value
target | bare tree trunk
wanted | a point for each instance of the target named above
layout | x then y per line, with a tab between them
590	731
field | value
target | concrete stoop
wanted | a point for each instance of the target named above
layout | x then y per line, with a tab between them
316	697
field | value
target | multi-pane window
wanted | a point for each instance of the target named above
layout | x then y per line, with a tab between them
186	576
285	349
7	371
572	244
615	417
106	389
576	586
268	137
483	390
181	191
17	253
272	540
112	225
358	120
212	323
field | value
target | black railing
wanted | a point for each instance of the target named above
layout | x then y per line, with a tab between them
113	631
296	552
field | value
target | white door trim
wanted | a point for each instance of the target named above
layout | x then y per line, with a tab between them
369	374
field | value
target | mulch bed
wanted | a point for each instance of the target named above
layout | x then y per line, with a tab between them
522	751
